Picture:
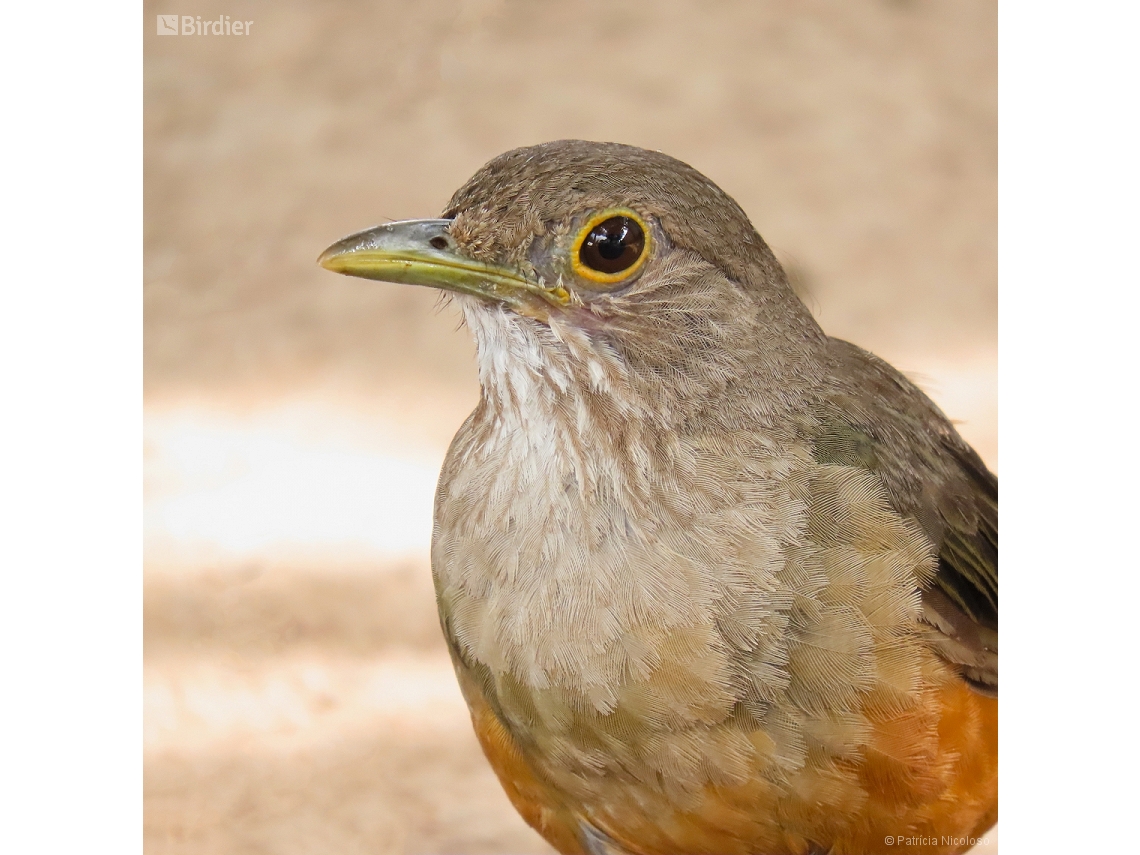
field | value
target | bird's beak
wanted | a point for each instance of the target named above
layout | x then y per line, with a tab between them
422	252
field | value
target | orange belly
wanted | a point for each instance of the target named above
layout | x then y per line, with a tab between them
923	811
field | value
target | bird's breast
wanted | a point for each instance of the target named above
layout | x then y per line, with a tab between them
589	572
745	622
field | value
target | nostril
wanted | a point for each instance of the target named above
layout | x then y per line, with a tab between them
439	242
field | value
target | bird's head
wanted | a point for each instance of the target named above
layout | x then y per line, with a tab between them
625	258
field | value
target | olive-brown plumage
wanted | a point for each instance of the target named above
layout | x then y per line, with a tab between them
713	582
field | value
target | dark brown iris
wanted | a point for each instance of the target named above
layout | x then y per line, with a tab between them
613	245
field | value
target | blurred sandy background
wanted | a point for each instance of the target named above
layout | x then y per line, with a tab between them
298	697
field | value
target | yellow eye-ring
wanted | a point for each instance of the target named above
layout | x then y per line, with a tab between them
611	246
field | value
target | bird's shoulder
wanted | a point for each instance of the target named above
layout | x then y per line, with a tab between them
871	417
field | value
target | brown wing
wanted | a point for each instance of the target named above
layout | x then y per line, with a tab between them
875	418
962	606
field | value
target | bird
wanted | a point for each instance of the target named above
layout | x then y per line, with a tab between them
712	581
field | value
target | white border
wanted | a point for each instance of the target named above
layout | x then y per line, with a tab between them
71	375
1069	149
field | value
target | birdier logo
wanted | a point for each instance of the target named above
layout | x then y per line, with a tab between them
193	25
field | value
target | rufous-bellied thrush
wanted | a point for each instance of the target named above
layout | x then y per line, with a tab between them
712	581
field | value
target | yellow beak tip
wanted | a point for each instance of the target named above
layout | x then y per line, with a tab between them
331	260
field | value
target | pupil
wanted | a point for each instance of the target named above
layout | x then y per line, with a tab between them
612	246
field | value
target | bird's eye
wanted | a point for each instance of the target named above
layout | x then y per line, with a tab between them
610	247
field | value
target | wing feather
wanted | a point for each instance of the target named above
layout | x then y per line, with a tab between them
878	420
